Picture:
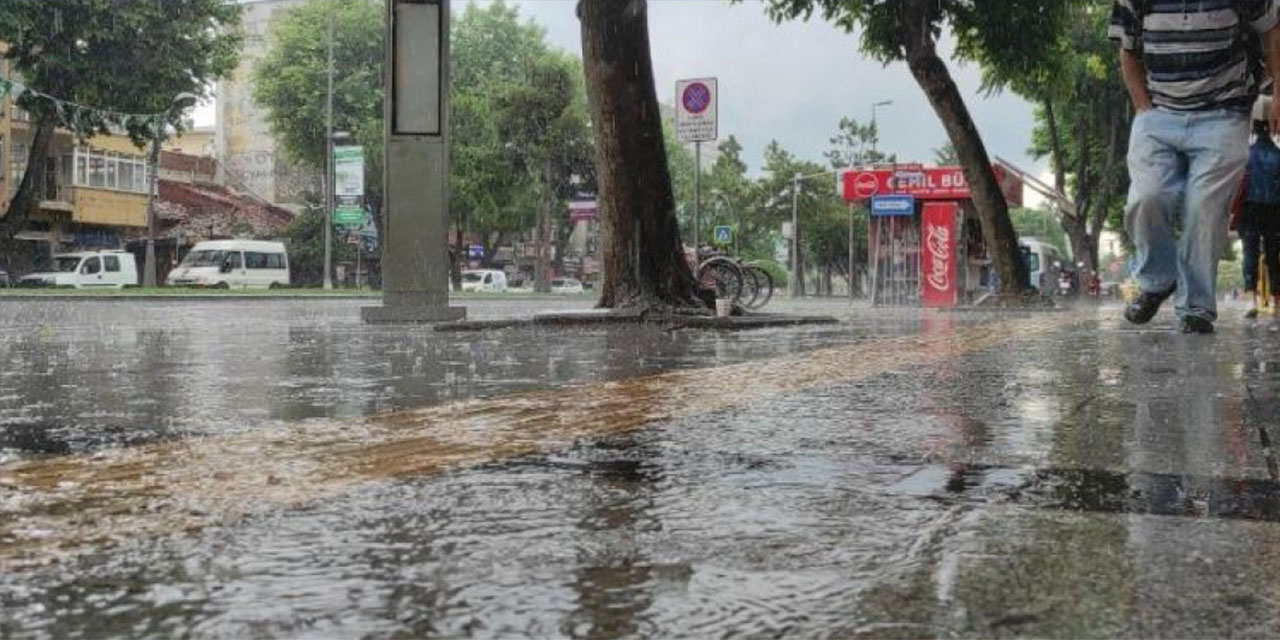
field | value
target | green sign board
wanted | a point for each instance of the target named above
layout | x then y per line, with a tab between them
349	215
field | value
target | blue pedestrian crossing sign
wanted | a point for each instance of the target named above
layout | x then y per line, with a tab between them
724	235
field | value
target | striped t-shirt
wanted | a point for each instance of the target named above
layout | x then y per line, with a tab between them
1194	53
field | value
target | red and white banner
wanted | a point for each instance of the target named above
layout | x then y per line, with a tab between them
938	287
932	183
583	211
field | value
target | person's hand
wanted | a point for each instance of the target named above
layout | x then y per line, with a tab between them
1275	111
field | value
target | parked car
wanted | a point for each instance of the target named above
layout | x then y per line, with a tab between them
490	280
238	264
566	287
87	270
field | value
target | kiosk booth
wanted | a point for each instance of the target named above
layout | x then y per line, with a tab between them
925	242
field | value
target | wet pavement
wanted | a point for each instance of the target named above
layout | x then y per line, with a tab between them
273	470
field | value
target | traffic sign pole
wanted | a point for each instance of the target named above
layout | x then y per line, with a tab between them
697	193
697	107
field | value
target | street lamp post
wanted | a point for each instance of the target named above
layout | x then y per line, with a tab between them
875	132
328	175
180	102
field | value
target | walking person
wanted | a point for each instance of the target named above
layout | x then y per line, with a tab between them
1191	77
1260	221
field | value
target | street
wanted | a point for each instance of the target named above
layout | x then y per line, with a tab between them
268	469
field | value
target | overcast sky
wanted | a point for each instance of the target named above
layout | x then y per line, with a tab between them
793	82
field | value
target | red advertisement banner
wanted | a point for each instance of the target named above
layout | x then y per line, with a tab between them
932	183
938	287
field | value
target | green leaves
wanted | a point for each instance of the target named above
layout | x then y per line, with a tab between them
516	103
123	57
291	80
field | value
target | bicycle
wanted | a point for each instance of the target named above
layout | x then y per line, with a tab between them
746	284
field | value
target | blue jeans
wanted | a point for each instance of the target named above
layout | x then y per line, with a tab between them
1190	164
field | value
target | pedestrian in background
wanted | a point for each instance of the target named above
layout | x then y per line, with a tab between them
1260	220
1192	70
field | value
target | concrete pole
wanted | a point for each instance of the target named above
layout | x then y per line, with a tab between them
149	259
415	271
795	237
328	163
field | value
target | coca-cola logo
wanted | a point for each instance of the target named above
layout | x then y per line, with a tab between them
938	239
865	185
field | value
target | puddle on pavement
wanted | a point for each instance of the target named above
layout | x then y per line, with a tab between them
71	383
73	504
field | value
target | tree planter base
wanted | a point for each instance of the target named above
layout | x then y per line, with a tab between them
408	314
670	321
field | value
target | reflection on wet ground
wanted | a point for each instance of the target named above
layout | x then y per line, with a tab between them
81	376
1045	477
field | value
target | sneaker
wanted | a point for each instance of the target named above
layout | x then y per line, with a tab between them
1195	324
1144	307
1251	314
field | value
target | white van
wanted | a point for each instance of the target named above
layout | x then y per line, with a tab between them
233	264
484	280
1041	260
87	270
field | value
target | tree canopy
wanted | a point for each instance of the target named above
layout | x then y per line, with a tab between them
121	57
1081	122
124	57
515	102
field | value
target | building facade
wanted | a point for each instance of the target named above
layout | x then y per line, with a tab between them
89	191
245	144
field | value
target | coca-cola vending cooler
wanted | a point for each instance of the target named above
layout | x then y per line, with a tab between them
939	255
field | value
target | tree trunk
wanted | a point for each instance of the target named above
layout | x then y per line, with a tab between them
1055	146
542	280
1102	203
918	20
26	200
1078	233
643	260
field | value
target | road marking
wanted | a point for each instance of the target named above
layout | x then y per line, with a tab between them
57	507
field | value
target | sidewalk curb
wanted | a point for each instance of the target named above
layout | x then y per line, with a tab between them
233	297
597	318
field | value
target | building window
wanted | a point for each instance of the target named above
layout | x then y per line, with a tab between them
126	176
17	164
97	170
113	166
110	170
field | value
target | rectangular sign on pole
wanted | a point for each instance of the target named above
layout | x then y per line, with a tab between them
349	213
348	171
893	206
697	110
938	287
